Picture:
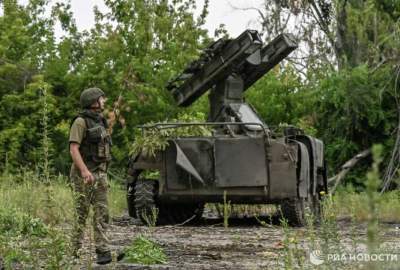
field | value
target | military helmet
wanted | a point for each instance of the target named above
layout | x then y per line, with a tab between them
90	96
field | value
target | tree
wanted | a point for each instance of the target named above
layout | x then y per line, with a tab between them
26	42
131	52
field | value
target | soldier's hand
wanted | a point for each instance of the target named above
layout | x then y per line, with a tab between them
88	177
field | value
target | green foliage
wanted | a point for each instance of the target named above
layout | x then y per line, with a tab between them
367	38
354	109
26	42
20	136
20	236
392	7
156	139
13	222
279	97
27	243
26	192
145	251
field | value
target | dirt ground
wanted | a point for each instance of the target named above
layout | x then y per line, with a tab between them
246	244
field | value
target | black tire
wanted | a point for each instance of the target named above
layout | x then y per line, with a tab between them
151	212
293	211
145	204
316	208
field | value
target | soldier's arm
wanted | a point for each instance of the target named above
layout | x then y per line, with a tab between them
78	161
77	133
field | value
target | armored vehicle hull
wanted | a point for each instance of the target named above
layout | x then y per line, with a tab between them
289	171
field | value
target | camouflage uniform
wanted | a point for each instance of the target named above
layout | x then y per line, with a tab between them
95	155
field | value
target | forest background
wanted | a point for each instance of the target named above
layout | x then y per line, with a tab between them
341	85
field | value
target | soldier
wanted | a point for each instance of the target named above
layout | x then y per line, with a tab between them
90	151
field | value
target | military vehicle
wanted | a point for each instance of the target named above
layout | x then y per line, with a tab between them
243	158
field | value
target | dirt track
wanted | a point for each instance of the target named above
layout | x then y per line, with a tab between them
244	245
210	245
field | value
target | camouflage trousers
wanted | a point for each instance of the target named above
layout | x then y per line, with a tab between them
86	195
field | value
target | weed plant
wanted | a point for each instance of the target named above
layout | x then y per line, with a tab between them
227	210
145	251
150	217
27	242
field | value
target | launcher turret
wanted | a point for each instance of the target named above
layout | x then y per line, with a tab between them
229	67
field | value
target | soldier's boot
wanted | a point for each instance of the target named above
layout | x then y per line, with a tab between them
105	257
120	255
76	250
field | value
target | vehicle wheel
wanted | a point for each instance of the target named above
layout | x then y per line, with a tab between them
317	198
316	208
294	211
144	198
151	212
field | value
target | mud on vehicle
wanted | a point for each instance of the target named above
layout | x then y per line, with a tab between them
241	157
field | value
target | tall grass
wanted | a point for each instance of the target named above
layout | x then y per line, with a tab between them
353	204
24	191
116	199
24	203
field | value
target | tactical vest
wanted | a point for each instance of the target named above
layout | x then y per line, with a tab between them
95	146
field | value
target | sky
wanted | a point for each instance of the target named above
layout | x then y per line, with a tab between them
220	12
235	20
